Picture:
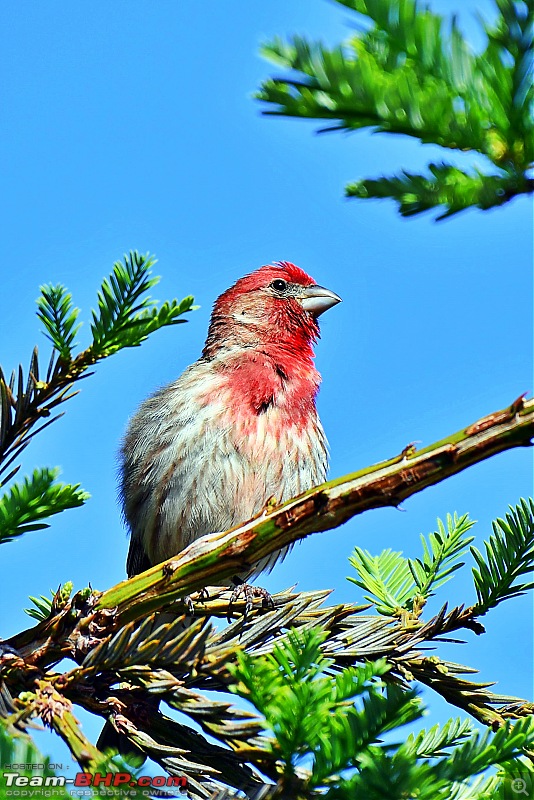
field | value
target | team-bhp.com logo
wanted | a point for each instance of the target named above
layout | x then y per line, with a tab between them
18	785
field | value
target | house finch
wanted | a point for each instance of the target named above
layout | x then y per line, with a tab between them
238	427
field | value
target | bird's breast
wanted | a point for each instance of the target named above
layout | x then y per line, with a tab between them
203	455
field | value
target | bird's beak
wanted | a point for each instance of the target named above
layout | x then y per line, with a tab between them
317	299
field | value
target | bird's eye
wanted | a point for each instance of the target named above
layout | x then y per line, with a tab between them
279	285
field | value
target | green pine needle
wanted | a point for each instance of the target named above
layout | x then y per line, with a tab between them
387	578
38	497
125	318
311	713
409	72
446	186
43	607
58	315
441	555
412	769
484	750
396	584
437	740
509	555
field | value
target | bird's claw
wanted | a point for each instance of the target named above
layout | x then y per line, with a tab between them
189	604
249	593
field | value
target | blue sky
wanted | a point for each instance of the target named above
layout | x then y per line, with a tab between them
131	125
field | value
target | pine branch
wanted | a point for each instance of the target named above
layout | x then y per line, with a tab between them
410	74
311	713
352	639
434	742
306	713
401	586
485	750
149	644
58	315
446	186
125	318
509	555
440	556
474	697
181	751
216	718
37	498
393	773
387	578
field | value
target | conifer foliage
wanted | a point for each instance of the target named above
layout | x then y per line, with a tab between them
408	71
329	688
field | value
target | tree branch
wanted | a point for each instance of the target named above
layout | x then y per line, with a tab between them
213	558
218	556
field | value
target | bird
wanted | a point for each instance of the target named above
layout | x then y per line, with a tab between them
238	428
